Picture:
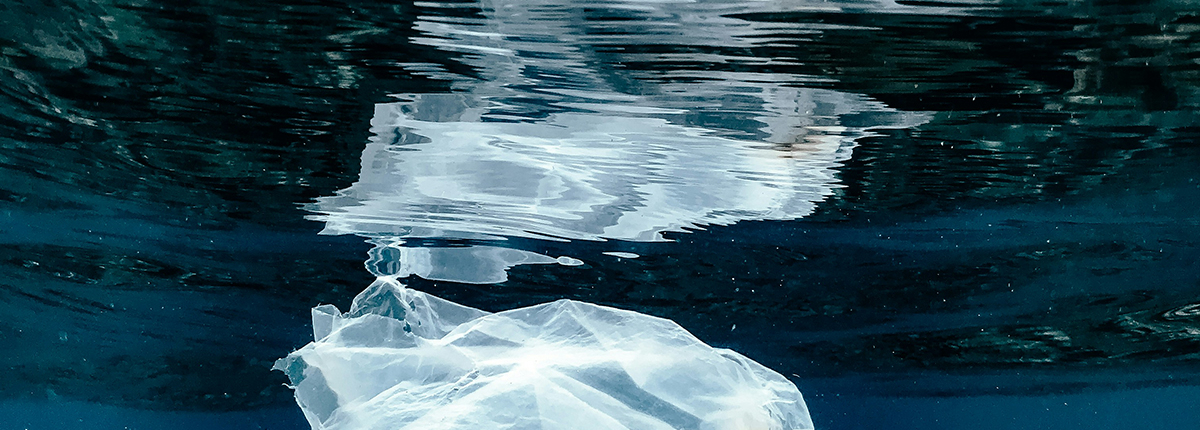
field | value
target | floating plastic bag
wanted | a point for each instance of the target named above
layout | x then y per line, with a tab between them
403	359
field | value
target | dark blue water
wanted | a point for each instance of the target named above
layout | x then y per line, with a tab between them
927	214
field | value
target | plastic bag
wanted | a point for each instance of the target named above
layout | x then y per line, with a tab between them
403	359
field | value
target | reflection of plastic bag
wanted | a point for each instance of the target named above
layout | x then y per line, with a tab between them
402	359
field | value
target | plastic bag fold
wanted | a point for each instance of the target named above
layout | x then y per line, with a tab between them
403	359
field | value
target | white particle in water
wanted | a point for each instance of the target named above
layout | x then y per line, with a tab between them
568	261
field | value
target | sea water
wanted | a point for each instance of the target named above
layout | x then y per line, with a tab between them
926	215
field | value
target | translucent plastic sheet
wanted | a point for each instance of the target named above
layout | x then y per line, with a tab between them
403	359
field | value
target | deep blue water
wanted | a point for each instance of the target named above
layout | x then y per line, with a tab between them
926	214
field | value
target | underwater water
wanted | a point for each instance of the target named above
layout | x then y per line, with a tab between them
926	214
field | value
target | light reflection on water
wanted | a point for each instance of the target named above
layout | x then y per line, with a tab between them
544	144
578	175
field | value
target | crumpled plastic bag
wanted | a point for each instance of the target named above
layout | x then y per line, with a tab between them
403	359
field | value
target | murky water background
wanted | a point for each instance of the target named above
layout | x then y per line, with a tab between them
929	214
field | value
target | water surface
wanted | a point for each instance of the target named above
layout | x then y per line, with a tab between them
928	214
